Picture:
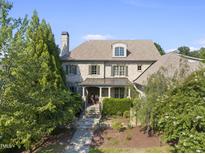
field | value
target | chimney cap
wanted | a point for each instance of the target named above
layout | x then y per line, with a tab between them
64	33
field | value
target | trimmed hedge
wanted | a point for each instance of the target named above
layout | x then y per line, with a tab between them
116	106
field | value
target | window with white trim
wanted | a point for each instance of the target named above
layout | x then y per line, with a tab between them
119	51
119	70
94	69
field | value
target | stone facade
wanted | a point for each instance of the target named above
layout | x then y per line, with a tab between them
105	71
106	68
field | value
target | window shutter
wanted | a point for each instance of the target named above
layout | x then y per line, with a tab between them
112	71
66	69
126	70
98	69
89	71
75	69
70	69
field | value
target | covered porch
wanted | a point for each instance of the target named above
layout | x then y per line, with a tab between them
100	88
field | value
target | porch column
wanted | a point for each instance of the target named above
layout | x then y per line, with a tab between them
83	93
129	93
100	93
109	92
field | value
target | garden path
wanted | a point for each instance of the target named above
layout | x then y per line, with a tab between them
80	142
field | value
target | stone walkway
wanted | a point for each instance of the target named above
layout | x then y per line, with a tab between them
81	140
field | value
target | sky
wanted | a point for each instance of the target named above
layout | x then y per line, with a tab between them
171	23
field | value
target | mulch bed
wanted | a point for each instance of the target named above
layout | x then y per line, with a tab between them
129	138
61	136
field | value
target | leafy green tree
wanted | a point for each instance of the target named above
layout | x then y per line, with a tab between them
159	48
33	97
157	85
7	25
202	53
184	50
195	53
180	113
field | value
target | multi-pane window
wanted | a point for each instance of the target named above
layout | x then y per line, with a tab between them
94	69
115	70
139	67
119	92
66	69
70	69
73	69
119	70
119	52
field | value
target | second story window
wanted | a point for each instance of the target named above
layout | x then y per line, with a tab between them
139	67
119	70
73	69
119	52
66	69
94	70
70	69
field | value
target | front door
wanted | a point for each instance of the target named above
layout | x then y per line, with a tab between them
93	95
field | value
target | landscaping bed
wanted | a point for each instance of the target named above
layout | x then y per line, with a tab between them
118	136
56	142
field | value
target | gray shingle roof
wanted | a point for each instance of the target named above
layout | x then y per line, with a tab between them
138	50
171	62
105	82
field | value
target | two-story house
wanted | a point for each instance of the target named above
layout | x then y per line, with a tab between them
106	68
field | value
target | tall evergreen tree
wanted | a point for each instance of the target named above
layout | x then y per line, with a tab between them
34	99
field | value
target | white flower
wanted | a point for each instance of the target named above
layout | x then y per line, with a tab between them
198	151
199	117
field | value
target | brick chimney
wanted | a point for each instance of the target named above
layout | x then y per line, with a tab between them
64	43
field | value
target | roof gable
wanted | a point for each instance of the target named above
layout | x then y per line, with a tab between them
137	50
172	63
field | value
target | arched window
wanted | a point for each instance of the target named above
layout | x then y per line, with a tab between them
119	50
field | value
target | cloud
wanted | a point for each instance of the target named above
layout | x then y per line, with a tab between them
97	37
193	48
174	49
171	50
201	42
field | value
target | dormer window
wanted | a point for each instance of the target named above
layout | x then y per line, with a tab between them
119	50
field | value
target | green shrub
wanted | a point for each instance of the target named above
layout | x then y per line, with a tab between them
117	126
126	114
180	113
116	106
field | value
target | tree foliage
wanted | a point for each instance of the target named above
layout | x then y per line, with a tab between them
202	53
159	48
33	97
175	108
184	50
180	113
